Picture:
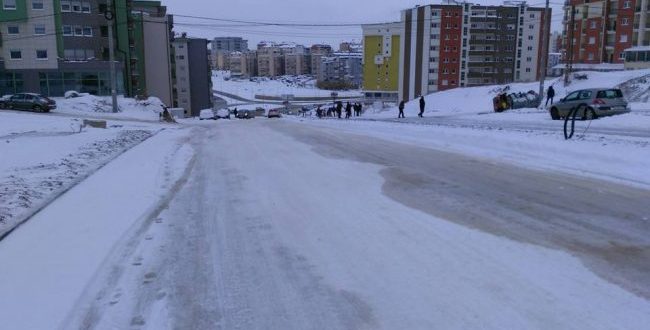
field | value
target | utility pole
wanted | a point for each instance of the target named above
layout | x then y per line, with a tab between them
110	16
544	59
569	62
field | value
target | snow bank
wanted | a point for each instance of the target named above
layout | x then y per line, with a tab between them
84	104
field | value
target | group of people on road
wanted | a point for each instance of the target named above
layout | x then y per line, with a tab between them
420	114
336	110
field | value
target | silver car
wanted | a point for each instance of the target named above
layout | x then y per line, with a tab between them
590	104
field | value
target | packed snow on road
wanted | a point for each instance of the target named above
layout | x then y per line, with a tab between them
463	219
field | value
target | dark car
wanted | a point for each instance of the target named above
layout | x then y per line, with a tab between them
28	101
245	114
274	113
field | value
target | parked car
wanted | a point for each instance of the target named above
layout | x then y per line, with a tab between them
207	114
245	114
28	101
223	114
590	104
274	113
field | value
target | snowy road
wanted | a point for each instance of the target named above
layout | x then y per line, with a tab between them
287	226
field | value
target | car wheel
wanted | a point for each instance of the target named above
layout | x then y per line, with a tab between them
590	114
555	114
37	108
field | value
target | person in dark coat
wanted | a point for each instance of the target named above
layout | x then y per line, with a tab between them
422	103
339	109
360	108
401	110
348	110
550	94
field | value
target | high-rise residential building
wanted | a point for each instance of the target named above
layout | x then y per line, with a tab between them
342	68
381	60
193	84
243	65
317	52
297	59
350	47
270	60
461	44
603	30
229	44
50	47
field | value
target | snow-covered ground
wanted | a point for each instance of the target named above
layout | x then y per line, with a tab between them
245	88
46	264
44	155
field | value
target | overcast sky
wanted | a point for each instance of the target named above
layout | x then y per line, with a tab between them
297	11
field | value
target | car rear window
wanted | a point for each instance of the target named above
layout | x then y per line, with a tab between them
610	94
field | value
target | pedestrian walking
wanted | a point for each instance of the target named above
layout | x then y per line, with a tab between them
422	104
339	109
348	110
550	94
401	110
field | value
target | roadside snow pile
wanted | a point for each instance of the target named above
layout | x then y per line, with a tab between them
103	104
249	88
34	172
477	100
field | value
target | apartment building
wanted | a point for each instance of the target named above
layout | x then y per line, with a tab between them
193	84
243	65
270	60
317	52
342	67
603	30
229	44
461	44
51	47
381	60
297	60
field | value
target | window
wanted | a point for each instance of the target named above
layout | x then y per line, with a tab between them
103	30
590	56
15	54
39	29
529	59
67	30
434	25
593	24
76	6
621	56
65	6
530	47
78	31
527	69
445	82
37	4
623	37
88	31
530	37
9	4
625	21
435	36
531	26
592	40
532	15
41	54
85	7
626	4
13	29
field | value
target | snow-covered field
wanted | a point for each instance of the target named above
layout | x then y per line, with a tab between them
44	155
245	88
